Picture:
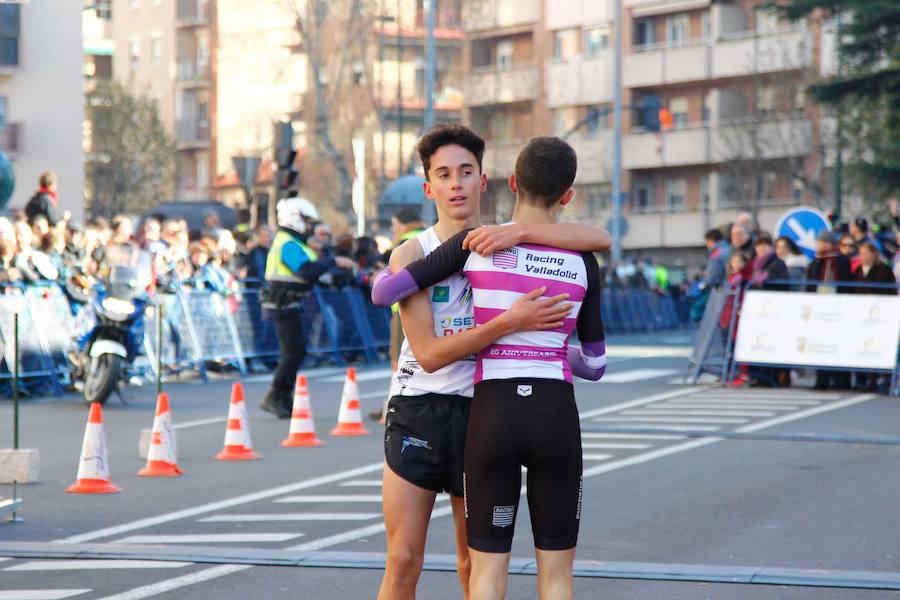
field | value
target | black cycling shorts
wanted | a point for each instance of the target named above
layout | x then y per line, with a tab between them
515	423
424	439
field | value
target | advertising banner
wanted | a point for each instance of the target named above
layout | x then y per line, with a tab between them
828	330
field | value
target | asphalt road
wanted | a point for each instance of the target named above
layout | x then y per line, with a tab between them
680	483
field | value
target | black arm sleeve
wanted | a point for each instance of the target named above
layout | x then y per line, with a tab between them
311	271
447	259
590	322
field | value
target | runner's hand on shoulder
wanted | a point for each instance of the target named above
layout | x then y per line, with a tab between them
488	239
533	313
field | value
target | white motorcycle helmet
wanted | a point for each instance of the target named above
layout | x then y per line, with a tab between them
291	213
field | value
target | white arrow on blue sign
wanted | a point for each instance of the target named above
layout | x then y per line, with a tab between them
803	224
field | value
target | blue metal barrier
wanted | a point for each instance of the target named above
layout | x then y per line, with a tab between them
628	310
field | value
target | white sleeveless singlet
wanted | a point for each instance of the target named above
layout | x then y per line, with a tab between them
451	305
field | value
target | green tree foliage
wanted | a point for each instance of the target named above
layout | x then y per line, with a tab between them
131	162
867	85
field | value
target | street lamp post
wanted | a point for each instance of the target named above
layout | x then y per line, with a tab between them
430	65
617	140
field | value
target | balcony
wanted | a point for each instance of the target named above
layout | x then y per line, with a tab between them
192	13
674	148
594	157
499	14
645	7
500	158
579	82
192	73
10	139
192	134
502	86
735	55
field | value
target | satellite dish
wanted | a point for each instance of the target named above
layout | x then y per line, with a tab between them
7	180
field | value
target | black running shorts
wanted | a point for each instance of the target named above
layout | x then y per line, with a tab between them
424	438
515	423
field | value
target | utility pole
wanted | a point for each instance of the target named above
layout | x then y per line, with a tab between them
617	140
400	160
430	66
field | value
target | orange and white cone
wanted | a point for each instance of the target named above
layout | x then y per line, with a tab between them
303	431
93	466
350	416
162	458
237	433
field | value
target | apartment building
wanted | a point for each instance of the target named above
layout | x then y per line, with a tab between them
42	98
737	132
223	71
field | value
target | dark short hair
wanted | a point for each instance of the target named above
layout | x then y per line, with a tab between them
449	135
545	169
861	223
792	246
764	238
408	215
714	235
871	246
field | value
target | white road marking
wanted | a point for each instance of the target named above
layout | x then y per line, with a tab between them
648	351
290	517
214	506
632	403
725	406
596	456
199	422
39	594
630	436
614	446
718	396
753	401
662	427
362	483
355	534
637	375
210	538
314	498
722	420
363	376
93	564
676	412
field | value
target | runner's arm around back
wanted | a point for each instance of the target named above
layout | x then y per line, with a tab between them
589	361
569	236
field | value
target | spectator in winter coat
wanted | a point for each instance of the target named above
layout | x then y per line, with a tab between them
767	266
847	247
794	258
742	243
44	202
873	270
716	259
829	265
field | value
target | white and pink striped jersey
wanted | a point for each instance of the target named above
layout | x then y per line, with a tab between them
499	280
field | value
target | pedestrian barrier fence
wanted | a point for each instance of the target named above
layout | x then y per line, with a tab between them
627	310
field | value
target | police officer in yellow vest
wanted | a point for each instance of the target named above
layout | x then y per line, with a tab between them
292	268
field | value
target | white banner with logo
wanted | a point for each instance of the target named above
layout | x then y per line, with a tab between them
827	330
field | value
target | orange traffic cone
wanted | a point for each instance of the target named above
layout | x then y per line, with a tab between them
350	416
93	466
162	458
237	434
303	431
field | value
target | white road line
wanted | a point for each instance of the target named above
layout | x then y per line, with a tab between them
614	446
718	396
4	558
676	411
662	427
632	403
93	564
596	456
752	402
199	422
210	538
378	394
363	376
375	529
314	498
726	406
722	420
263	517
630	436
39	594
214	506
637	375
362	483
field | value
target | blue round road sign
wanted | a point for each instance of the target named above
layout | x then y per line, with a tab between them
803	224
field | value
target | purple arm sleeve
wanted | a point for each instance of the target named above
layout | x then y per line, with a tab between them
588	361
392	287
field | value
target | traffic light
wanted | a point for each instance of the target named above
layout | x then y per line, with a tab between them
650	109
285	157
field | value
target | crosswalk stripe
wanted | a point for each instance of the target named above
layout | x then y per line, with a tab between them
639	424
311	498
39	594
289	517
677	411
362	483
93	564
211	538
596	456
722	420
614	446
727	406
718	397
637	375
630	436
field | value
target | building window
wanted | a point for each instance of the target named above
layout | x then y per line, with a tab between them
134	53
598	121
643	197
564	119
677	30
156	50
707	107
596	40
706	25
643	33
766	22
565	44
501	126
676	192
766	102
4	110
704	192
9	35
103	9
504	54
678	107
596	198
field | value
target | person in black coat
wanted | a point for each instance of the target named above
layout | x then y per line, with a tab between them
873	270
767	266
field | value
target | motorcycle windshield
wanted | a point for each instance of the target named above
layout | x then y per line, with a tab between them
127	270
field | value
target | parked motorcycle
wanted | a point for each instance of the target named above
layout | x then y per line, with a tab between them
111	325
